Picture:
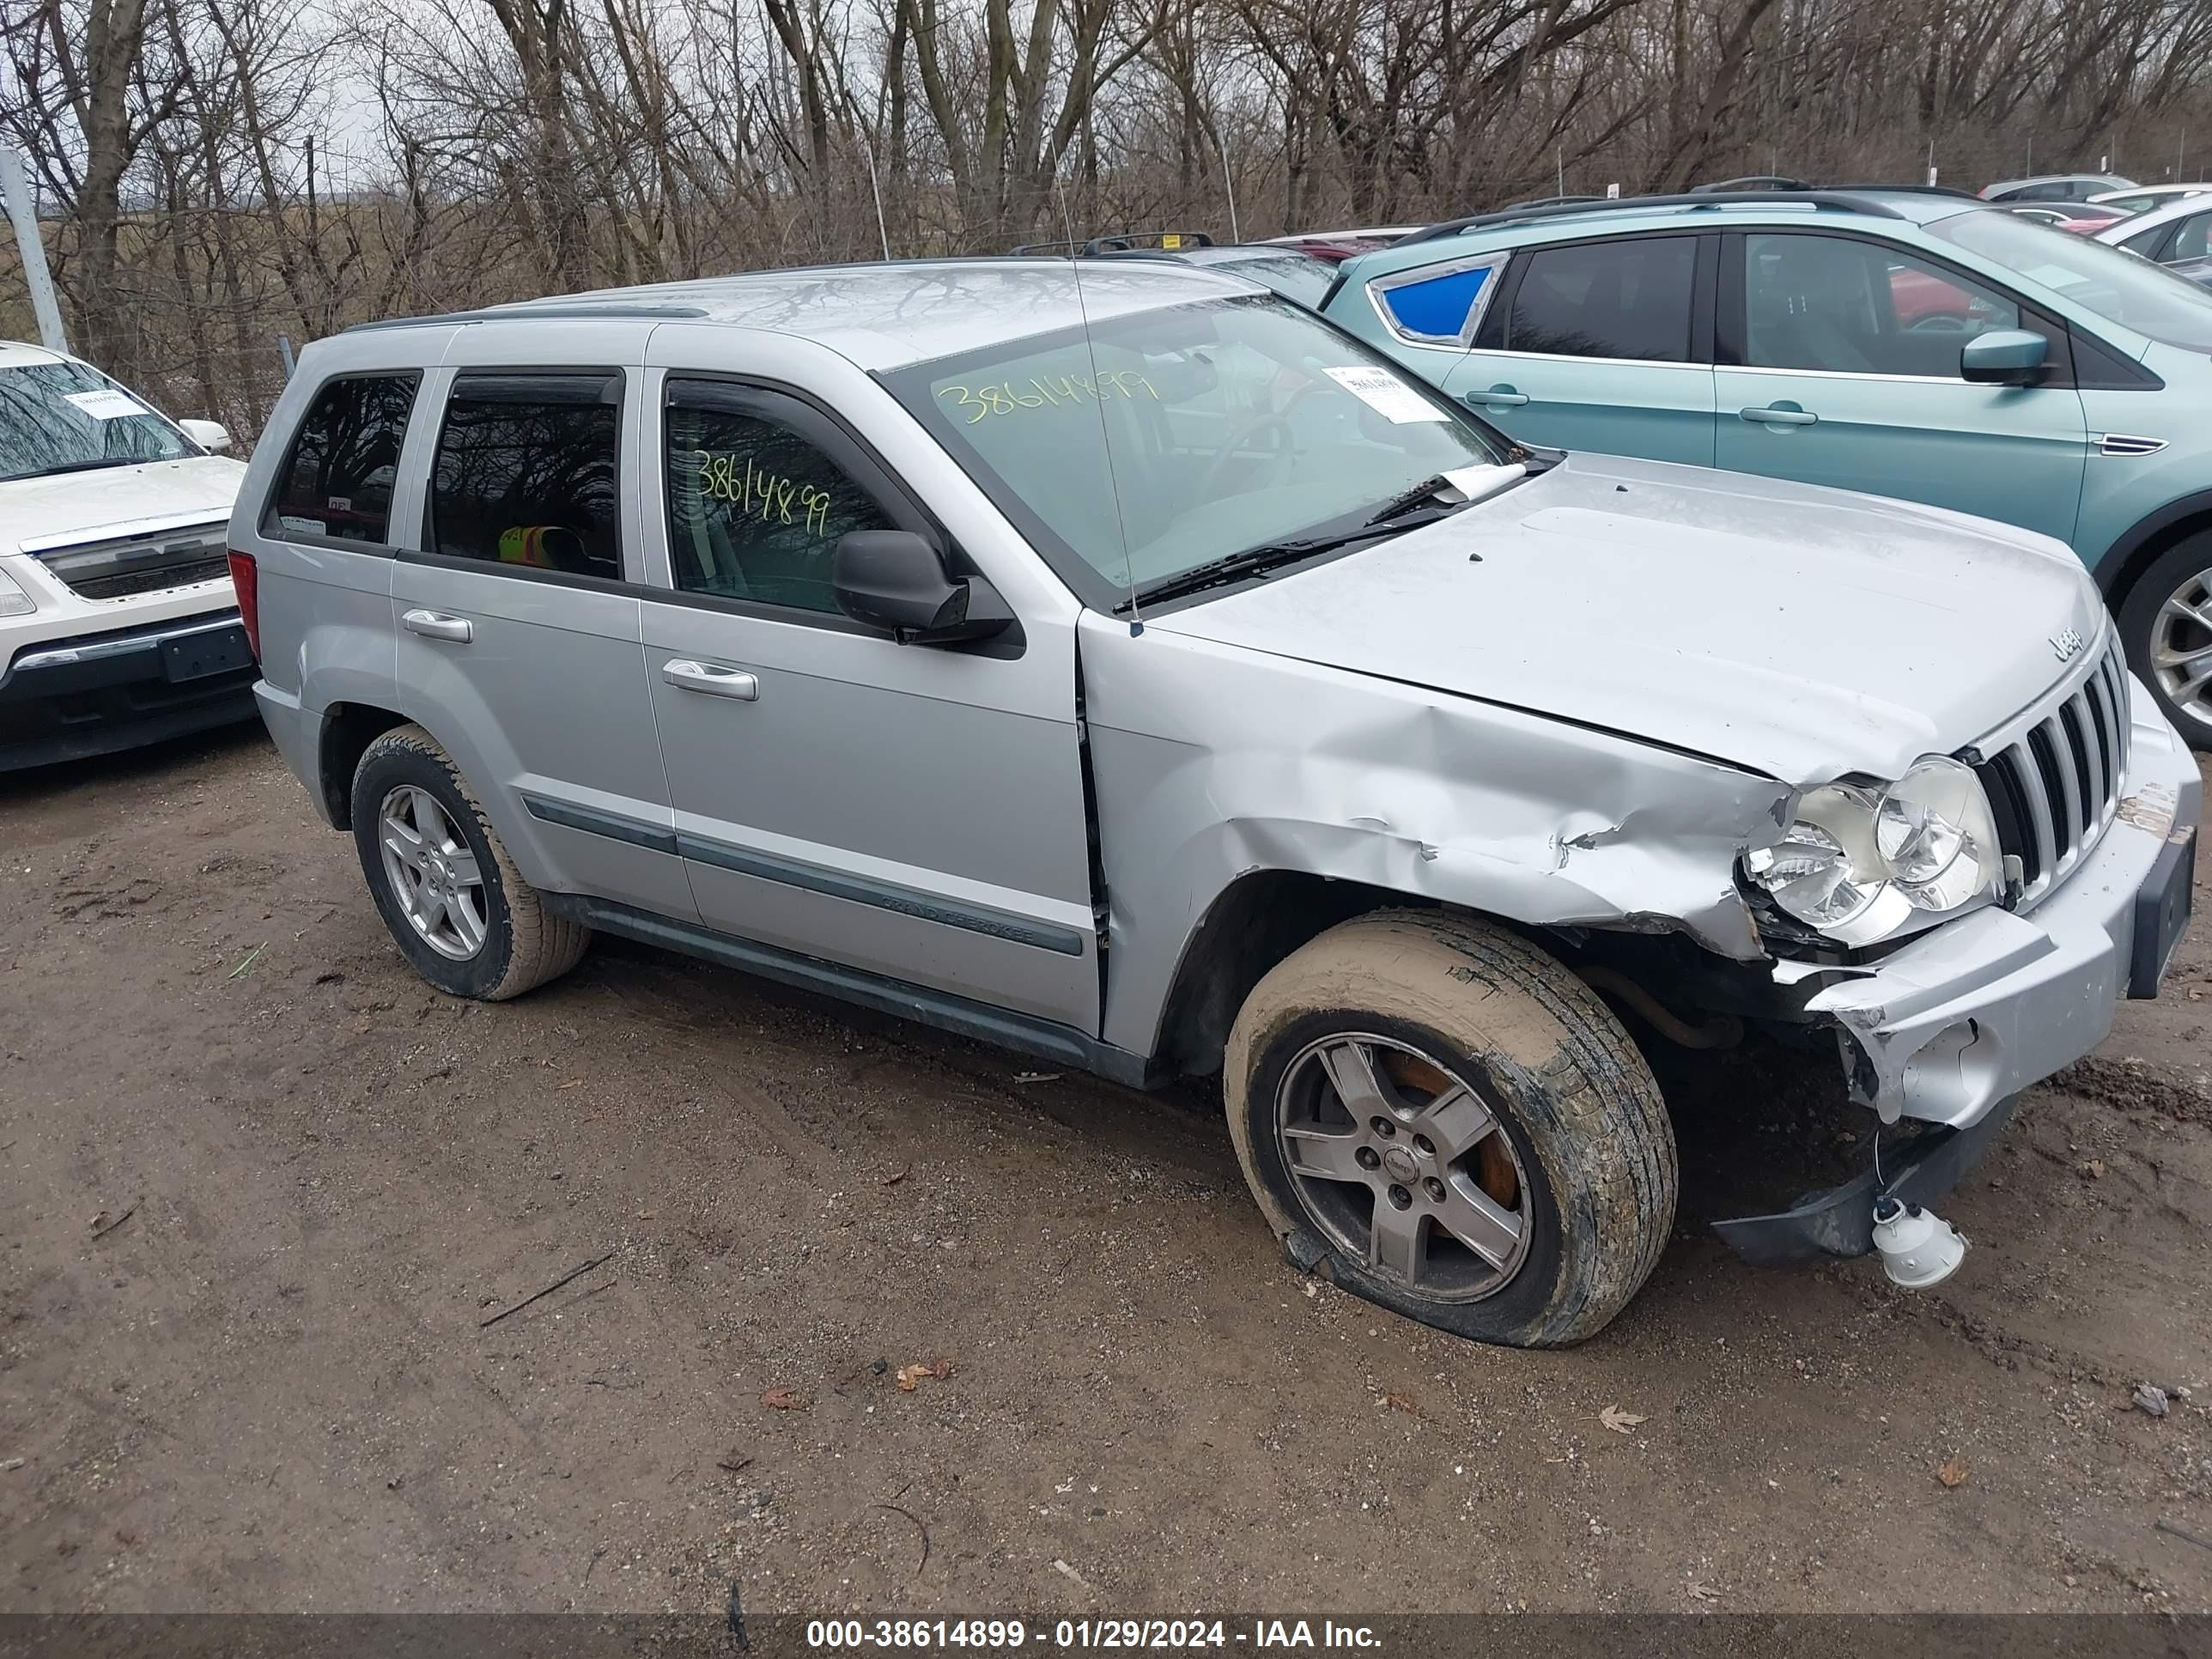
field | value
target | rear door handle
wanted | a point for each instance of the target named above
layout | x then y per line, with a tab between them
1497	397
436	625
1773	416
712	678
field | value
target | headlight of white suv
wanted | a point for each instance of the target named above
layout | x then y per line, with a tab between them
1861	864
14	601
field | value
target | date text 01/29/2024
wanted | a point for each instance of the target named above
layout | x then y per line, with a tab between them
1148	1633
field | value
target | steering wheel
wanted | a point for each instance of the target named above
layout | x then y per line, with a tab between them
1284	452
1939	323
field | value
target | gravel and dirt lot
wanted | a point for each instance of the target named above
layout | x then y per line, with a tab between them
262	1192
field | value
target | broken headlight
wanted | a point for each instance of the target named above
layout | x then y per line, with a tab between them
1861	863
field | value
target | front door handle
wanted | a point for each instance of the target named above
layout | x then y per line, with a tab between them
1497	397
435	625
1776	415
712	678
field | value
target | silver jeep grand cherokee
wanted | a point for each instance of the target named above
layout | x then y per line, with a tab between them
1127	667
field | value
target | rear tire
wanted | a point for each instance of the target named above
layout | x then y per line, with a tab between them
1497	1121
453	899
2168	651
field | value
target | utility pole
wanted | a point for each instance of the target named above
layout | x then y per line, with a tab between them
1228	184
23	212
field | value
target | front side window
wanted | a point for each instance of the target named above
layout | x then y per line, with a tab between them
1844	306
1176	436
525	474
1628	299
65	417
756	508
2192	238
337	480
2147	242
2094	275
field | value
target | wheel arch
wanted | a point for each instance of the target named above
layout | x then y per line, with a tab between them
348	729
2137	548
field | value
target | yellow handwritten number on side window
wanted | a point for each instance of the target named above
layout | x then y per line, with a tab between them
762	495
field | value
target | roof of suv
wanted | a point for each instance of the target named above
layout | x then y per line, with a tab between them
884	316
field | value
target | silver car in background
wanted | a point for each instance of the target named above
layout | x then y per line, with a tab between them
1110	661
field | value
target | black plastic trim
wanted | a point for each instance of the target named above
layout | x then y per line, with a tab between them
812	878
2113	565
2161	914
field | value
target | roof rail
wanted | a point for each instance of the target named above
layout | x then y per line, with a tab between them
1548	201
1750	181
615	311
1835	202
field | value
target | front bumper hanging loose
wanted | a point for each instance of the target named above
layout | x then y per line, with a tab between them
1945	1032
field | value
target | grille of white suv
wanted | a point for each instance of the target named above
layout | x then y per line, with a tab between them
118	566
2053	788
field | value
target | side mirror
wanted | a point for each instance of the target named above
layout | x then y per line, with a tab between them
895	580
2003	356
212	436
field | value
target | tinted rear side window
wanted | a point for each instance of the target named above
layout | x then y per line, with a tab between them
525	474
1624	299
337	480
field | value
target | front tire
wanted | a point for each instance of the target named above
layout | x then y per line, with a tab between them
2166	628
1436	1116
451	897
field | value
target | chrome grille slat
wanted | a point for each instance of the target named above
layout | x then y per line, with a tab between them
2057	785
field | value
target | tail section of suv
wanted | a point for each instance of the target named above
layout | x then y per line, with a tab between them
1906	342
118	622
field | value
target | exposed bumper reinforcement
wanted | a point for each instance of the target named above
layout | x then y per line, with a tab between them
1841	1220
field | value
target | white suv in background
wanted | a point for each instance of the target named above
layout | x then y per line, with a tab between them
118	622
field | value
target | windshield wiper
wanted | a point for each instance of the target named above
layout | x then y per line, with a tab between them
1410	499
78	466
1271	555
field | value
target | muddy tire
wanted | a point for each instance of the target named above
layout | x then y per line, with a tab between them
1436	1115
444	885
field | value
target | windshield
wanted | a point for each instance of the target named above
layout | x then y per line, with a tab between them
1232	423
2119	286
69	417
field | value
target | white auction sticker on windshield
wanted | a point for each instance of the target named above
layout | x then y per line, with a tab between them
105	404
1387	395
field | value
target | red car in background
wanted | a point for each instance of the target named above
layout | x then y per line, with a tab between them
1338	245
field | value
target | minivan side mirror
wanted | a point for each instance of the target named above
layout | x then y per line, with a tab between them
2003	356
212	436
895	580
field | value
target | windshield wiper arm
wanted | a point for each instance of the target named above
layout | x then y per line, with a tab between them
1410	499
1270	556
81	466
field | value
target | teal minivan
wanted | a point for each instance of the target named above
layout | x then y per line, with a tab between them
1903	341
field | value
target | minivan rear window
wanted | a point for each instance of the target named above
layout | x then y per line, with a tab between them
525	474
337	480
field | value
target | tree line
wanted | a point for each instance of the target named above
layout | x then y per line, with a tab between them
219	172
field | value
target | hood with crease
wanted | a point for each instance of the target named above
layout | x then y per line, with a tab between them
1801	632
110	501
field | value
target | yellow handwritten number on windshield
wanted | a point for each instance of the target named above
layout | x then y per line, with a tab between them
1047	391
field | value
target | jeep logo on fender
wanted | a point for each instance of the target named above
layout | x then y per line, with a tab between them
2067	644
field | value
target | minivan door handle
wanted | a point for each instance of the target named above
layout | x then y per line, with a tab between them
435	625
1776	415
1497	397
712	678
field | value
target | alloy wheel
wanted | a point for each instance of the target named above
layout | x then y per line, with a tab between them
1405	1165
2181	647
433	872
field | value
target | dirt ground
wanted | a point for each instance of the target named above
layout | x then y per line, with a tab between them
260	1190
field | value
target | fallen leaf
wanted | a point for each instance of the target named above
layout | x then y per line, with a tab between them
1619	1421
1402	1402
909	1377
1037	1077
1952	1471
2092	1169
732	1463
1703	1592
2197	993
781	1399
897	1175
